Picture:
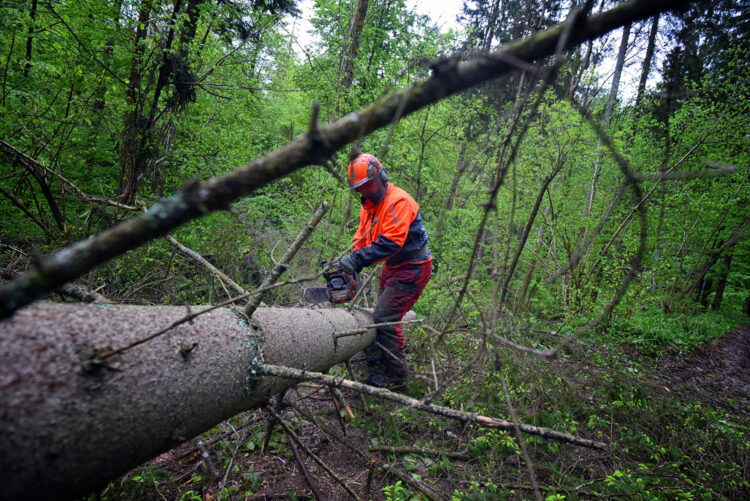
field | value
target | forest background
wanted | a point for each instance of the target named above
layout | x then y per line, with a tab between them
539	238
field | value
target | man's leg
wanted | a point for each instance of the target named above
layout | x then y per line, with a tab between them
399	290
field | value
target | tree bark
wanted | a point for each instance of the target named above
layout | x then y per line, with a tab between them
646	69
722	281
69	425
131	164
618	73
30	39
354	38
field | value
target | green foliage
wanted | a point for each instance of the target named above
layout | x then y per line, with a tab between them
656	333
481	492
85	105
395	492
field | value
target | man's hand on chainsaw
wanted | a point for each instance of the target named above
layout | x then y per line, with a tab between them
347	264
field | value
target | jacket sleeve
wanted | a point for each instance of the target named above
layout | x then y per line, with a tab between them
391	237
364	224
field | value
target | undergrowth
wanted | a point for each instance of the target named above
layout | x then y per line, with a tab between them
663	445
655	333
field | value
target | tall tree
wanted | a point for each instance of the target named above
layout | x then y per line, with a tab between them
352	43
619	65
647	60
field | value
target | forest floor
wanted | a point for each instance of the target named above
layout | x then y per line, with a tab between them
716	376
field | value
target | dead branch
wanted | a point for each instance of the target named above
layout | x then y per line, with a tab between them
20	156
283	264
405	478
295	439
213	269
208	462
340	402
464	417
308	478
14	199
83	294
271	422
364	285
309	149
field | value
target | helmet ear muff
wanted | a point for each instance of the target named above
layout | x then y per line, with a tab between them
376	169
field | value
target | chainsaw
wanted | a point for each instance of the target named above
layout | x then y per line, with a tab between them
341	287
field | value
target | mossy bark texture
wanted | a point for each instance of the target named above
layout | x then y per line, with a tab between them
69	425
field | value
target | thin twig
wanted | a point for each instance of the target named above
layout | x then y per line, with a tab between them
203	262
405	478
308	478
314	457
365	328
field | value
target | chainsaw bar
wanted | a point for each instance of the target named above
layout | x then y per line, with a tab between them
317	294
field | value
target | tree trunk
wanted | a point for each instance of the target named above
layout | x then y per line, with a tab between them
68	426
30	39
646	69
131	165
618	73
346	67
422	147
532	265
527	229
722	282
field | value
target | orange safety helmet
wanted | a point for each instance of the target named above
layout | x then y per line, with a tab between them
365	168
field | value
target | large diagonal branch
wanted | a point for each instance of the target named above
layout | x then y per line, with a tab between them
314	147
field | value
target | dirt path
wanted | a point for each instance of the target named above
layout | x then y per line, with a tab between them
719	374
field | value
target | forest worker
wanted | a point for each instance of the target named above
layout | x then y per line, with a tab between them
390	230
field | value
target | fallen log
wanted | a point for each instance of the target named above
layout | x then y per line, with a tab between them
71	419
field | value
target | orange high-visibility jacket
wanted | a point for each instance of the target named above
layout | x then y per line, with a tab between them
391	230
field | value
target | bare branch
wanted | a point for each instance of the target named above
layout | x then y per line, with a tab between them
464	417
407	479
213	269
283	264
294	438
217	193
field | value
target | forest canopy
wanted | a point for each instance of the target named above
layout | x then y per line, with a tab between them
586	211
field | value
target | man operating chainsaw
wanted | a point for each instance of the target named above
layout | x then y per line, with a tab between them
390	230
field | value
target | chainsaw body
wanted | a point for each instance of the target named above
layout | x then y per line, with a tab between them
341	287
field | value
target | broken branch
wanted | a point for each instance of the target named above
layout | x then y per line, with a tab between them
464	417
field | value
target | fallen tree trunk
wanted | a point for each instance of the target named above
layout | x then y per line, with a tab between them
70	424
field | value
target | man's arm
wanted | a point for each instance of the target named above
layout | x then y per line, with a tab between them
393	231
